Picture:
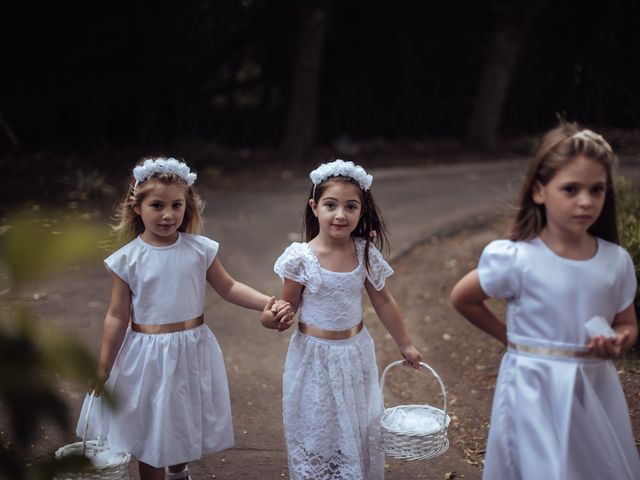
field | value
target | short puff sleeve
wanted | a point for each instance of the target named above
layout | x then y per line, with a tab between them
379	269
297	263
211	248
498	270
628	282
117	263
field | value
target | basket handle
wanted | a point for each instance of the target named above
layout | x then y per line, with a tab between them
92	396
423	365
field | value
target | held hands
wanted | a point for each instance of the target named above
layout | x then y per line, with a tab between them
604	347
277	315
412	356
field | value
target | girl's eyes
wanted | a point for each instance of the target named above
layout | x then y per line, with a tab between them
573	190
350	206
157	205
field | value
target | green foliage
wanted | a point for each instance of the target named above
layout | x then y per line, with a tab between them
629	226
31	245
30	360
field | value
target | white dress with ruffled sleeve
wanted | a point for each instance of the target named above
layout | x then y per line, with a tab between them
331	397
557	417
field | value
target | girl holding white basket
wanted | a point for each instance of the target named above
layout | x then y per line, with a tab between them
559	411
331	399
163	364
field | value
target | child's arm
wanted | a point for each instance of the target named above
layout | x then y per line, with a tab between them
469	299
233	291
291	293
245	296
389	313
115	326
626	327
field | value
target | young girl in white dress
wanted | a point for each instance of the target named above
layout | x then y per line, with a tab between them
331	398
164	365
559	411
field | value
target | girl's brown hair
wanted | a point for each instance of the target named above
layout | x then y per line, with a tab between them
129	224
557	148
370	221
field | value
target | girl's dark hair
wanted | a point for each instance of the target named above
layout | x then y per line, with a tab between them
557	148
370	221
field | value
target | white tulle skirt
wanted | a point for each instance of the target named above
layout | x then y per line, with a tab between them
172	398
331	406
559	418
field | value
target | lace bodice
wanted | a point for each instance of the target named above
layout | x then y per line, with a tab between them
331	300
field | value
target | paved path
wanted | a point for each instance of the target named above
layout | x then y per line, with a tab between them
253	224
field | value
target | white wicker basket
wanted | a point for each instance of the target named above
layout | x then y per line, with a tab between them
107	464
414	432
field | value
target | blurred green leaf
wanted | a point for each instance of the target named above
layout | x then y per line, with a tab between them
36	245
31	360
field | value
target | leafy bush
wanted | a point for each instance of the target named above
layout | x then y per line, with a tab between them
629	227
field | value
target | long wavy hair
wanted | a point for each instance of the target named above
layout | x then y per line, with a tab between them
370	220
557	148
129	224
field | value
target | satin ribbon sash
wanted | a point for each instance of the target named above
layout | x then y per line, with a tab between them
550	352
168	327
330	334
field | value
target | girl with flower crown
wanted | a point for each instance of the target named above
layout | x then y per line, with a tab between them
331	399
559	411
163	364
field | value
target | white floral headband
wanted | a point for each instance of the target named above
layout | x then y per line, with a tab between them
156	166
340	168
594	137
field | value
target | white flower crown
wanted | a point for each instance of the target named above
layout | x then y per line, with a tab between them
156	166
344	169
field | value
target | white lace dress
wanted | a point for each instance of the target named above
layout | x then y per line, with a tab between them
331	398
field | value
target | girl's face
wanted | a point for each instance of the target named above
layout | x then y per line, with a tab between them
574	197
338	210
162	212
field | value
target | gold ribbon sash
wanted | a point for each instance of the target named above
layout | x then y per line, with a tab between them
330	334
550	352
168	327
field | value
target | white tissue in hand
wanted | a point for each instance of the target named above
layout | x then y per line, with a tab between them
599	327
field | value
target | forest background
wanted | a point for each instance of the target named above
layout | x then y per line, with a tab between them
247	83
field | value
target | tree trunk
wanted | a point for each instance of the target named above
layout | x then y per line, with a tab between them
511	30
300	129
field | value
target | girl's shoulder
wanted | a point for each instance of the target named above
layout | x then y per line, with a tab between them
297	252
201	246
611	249
196	239
378	268
299	263
127	249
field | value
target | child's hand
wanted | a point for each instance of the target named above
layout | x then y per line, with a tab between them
279	305
277	315
604	347
96	385
412	356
